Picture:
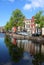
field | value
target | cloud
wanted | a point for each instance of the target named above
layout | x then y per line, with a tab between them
27	6
34	4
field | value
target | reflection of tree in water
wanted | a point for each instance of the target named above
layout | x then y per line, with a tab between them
7	41
15	52
38	58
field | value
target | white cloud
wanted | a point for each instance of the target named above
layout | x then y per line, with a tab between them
27	6
34	4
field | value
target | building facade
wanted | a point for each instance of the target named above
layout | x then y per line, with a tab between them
30	25
2	29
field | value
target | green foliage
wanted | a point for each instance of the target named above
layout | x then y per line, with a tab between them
18	17
15	20
7	26
39	18
42	21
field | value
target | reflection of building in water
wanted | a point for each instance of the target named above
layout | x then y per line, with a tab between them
24	43
30	47
14	41
42	49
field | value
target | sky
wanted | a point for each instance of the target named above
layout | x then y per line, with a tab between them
28	7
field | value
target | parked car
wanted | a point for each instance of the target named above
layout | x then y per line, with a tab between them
36	34
23	33
10	31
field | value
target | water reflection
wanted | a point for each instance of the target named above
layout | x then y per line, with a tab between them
39	57
15	52
25	50
34	49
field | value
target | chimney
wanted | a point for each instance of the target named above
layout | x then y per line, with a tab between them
32	20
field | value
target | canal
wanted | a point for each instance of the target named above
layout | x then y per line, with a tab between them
20	52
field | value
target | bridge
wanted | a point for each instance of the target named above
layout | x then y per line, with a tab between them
2	29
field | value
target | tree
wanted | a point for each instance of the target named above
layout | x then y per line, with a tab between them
16	19
7	26
42	21
39	18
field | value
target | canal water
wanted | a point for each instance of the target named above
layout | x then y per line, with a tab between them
20	52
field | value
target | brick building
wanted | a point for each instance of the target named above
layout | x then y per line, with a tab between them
30	25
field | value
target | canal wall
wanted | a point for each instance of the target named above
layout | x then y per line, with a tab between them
21	37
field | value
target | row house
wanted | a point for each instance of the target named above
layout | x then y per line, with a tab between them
29	25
